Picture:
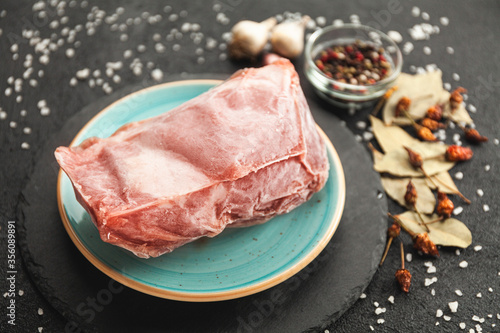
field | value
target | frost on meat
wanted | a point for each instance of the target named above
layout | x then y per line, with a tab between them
237	155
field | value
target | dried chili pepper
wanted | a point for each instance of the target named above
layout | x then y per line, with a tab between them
403	275
472	135
456	98
425	134
432	124
392	232
445	206
411	194
435	112
421	242
415	158
456	153
402	106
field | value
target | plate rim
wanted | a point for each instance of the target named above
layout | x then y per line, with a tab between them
204	296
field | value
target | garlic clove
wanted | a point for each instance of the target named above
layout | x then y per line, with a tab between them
249	38
287	38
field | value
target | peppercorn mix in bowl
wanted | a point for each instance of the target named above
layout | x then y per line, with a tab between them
351	65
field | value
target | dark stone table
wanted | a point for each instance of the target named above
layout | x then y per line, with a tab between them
466	44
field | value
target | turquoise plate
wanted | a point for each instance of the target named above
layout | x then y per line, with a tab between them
236	263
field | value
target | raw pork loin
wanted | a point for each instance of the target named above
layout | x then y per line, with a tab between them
236	155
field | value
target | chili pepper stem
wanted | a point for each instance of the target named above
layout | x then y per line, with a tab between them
402	255
434	221
421	219
389	242
467	201
407	115
398	221
384	99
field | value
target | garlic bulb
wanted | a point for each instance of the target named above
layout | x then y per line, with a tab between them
287	38
250	38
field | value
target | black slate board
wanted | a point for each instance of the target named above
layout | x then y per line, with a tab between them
309	301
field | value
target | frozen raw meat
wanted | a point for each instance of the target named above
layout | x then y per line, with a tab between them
236	155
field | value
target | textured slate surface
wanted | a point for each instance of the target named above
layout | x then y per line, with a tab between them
472	33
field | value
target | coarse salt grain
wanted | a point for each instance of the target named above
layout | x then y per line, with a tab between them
433	292
73	82
157	74
375	304
439	313
425	16
462	325
479	295
456	77
25	145
379	311
408	47
40	311
367	136
486	208
459	292
472	108
391	299
70	53
44	111
40	329
457	252
409	257
395	36
447	318
430	281
13	124
363	295
431	269
463	264
83	74
3	115
490	290
487	167
453	306
415	11
450	50
427	50
479	192
27	130
458	210
444	20
380	321
361	124
459	175
477	318
21	292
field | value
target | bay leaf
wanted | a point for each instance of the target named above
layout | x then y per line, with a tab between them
396	189
391	137
424	90
460	115
397	163
444	181
450	232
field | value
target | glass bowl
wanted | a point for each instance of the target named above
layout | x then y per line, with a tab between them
352	96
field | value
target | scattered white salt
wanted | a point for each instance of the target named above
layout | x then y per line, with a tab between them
361	125
379	311
222	56
372	328
409	257
321	20
425	16
338	23
447	86
459	175
127	54
176	47
375	304
40	311
363	295
446	318
26	145
456	77
486	208
457	252
439	313
141	48
160	48
200	60
83	74
3	115
431	269
477	318
415	12
453	306
459	292
391	299
444	20
479	295
487	167
395	36
22	113
433	292
462	325
458	210
40	329
463	264
427	50
496	141
472	108
380	321
367	136
479	192
27	130
430	281
407	48
490	290
157	74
